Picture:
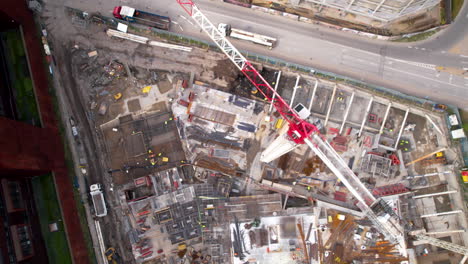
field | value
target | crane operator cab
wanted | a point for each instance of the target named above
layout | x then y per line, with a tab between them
302	111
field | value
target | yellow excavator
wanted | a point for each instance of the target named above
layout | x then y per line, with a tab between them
112	256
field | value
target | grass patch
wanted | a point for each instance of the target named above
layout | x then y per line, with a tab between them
25	98
443	21
464	120
49	212
456	6
417	37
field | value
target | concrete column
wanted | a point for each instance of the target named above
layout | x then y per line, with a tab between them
330	105
366	115
276	87
313	96
401	129
385	117
347	112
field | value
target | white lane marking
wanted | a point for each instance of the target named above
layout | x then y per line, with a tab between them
450	78
418	64
463	56
190	22
172	21
465	62
443	52
423	77
351	58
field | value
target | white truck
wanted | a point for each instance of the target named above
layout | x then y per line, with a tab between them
228	31
98	200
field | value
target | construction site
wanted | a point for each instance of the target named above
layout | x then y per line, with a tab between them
202	166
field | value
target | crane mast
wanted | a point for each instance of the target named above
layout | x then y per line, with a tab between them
301	131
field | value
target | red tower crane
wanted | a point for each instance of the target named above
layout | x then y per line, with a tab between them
300	131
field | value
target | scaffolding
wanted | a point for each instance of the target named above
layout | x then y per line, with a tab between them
377	165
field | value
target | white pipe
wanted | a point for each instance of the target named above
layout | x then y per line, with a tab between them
294	91
401	129
385	117
464	259
101	241
330	106
347	112
426	175
313	95
446	232
434	124
274	94
440	214
366	115
433	194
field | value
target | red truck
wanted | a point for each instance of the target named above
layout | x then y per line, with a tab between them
130	14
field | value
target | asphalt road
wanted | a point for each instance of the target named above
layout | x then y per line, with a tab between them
404	67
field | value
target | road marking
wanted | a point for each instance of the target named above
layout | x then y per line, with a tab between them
190	22
443	52
463	56
175	22
418	64
450	78
423	77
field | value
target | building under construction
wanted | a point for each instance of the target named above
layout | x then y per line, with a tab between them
207	170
